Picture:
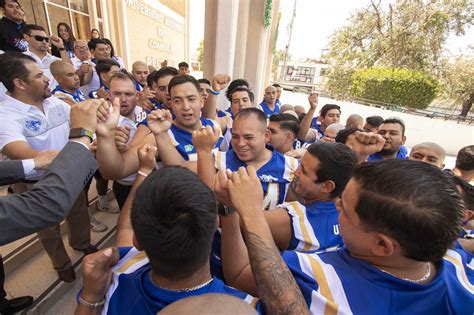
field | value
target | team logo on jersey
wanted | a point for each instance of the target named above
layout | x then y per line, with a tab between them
267	178
188	147
33	125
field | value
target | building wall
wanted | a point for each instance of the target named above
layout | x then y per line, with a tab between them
155	33
147	30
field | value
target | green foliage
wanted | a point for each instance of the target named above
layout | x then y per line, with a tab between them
268	14
394	86
200	52
339	81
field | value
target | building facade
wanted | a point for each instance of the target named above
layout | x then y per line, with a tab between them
147	30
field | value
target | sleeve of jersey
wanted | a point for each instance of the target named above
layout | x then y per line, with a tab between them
144	120
303	238
291	164
463	263
220	160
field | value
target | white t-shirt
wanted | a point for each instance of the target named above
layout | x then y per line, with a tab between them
42	131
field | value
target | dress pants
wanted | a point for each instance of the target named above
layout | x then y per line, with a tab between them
78	225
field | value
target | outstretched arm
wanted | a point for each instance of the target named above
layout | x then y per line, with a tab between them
275	283
306	122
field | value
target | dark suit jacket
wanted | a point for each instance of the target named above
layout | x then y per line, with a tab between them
50	199
11	172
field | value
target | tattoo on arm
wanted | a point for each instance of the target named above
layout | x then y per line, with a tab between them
275	283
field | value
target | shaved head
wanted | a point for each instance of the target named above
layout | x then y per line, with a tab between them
428	152
138	64
355	121
140	72
60	67
332	130
286	107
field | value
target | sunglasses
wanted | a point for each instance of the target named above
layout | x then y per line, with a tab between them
41	38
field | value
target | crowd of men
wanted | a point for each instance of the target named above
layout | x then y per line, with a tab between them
238	207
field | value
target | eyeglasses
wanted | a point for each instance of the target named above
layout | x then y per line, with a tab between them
41	38
81	47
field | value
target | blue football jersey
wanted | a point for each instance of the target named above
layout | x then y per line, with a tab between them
133	292
336	283
61	93
267	111
275	175
183	142
314	227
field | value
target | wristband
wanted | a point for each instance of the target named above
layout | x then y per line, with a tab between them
61	49
143	173
213	92
81	301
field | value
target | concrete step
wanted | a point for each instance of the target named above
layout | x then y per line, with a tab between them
29	271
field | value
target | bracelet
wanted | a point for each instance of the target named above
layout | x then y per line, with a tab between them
89	304
214	92
143	173
61	49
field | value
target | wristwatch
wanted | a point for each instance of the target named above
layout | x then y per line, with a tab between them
81	132
61	49
225	210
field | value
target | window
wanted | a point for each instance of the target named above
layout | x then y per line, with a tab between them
73	12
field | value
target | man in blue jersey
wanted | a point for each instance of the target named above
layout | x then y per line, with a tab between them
172	136
164	243
68	86
268	105
313	128
171	207
397	235
140	73
393	131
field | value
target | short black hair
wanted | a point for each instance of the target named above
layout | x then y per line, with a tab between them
301	117
233	84
105	65
328	107
343	134
32	27
336	163
241	89
419	206
13	66
150	78
276	85
204	80
394	120
92	44
247	112
108	42
375	121
181	79
286	122
4	2
465	189
183	64
164	72
465	158
174	218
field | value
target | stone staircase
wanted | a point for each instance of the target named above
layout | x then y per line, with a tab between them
29	271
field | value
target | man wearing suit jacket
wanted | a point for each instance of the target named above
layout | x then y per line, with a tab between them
50	199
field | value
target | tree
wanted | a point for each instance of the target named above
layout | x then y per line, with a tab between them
457	81
278	56
200	52
408	34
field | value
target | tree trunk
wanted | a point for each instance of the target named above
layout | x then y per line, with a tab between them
466	106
